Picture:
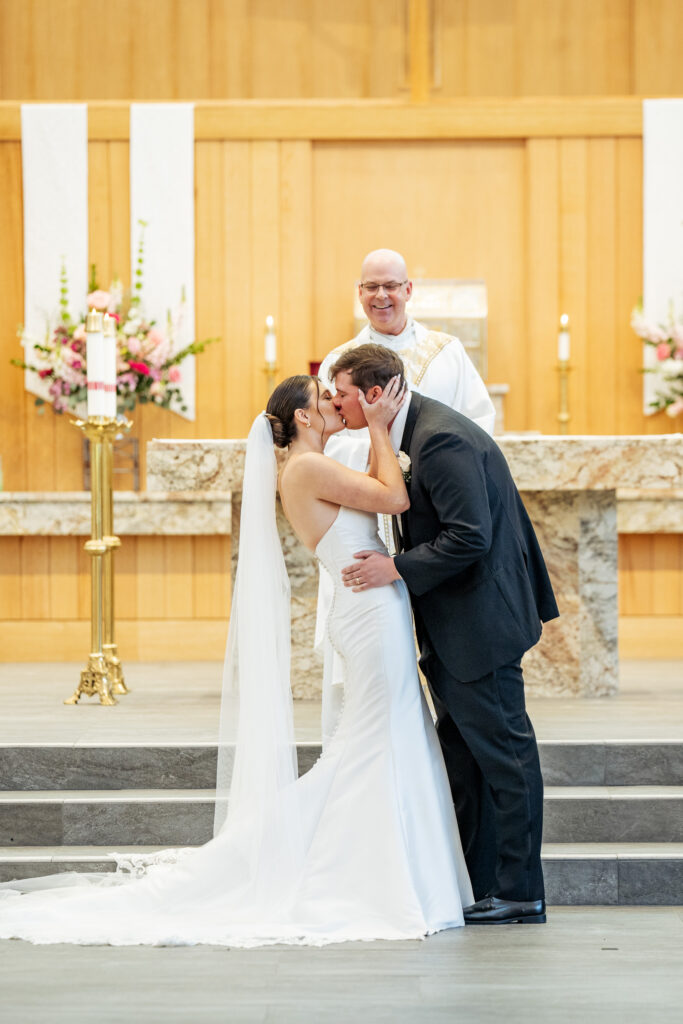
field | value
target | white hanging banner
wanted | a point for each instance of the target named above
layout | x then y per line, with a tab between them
662	221
162	197
54	153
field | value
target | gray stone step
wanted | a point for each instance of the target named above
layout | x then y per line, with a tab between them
181	766
628	874
613	814
173	817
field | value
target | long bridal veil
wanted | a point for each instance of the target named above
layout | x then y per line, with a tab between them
257	760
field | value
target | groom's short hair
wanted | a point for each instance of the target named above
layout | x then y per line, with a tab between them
369	365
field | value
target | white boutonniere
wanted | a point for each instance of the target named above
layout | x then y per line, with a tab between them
404	463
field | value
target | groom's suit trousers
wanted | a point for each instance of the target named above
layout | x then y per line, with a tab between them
491	756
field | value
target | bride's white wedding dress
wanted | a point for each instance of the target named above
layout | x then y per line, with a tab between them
377	855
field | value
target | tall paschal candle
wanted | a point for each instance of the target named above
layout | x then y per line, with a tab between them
94	354
109	366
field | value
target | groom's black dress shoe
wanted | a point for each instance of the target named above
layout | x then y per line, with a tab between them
492	910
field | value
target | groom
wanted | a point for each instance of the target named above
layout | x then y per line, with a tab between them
480	590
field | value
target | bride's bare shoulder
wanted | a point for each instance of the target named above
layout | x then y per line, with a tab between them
306	463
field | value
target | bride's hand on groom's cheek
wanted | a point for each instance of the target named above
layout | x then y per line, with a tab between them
371	569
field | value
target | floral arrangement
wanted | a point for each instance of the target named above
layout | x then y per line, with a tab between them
147	369
667	341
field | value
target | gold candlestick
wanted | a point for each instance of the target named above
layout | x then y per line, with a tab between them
271	371
103	674
564	416
109	648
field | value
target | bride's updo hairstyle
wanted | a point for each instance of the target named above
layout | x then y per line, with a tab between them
292	394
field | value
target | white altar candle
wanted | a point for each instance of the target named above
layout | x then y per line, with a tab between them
563	344
270	343
109	367
94	355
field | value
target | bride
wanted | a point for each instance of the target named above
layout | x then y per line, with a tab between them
365	845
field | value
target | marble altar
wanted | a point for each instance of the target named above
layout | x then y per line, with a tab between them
67	514
569	485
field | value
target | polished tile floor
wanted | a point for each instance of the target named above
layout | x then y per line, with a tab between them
587	965
179	703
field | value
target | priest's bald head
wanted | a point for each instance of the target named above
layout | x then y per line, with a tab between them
384	289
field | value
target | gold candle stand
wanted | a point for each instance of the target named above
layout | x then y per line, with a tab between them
564	416
103	674
271	371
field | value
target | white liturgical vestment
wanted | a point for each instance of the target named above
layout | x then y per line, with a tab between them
437	366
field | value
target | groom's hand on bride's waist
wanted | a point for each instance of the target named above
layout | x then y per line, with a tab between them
371	569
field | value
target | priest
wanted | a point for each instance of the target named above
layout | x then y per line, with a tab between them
436	364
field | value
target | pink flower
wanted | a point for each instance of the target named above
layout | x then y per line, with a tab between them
141	368
79	333
174	374
678	354
675	408
155	337
77	364
134	346
99	300
44	373
156	389
663	350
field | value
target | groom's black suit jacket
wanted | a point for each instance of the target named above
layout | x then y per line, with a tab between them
471	560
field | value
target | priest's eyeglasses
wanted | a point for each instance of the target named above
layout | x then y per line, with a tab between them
371	287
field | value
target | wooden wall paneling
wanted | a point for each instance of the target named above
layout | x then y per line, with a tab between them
210	248
236	287
451	48
635	574
542	284
587	42
265	256
151	578
62	573
601	352
456	210
574	271
118	160
84	572
13	437
657	32
11	595
178	572
491	48
191	27
496	188
125	579
652	637
383	67
211	579
35	581
629	285
220	49
227	50
280	29
666	589
296	257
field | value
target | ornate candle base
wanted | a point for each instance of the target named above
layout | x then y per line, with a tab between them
114	669
95	679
